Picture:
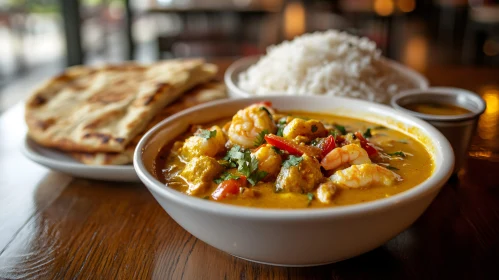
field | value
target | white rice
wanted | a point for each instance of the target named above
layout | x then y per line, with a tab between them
324	63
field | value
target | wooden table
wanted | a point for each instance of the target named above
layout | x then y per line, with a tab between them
53	226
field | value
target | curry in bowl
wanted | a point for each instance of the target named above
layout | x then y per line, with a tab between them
270	159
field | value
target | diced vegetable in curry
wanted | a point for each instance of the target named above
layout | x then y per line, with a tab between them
264	158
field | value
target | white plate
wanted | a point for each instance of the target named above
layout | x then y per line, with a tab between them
59	161
231	76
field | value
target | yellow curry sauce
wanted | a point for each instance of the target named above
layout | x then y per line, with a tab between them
397	152
438	109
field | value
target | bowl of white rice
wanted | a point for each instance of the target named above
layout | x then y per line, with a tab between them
330	63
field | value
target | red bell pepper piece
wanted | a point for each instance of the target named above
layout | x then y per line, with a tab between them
227	187
291	147
328	145
266	103
371	151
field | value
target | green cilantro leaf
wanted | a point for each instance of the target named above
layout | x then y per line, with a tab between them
334	133
280	130
392	167
250	169
253	164
341	129
207	134
238	157
292	161
280	126
226	176
367	133
399	154
256	176
314	128
233	153
310	197
246	164
226	163
260	138
379	127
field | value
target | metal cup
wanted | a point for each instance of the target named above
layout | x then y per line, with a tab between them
458	129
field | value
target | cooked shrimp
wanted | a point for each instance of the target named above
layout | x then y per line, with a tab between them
249	122
364	175
268	160
198	145
349	154
326	192
309	129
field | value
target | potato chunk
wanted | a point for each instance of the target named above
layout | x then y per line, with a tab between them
197	145
199	174
300	178
307	129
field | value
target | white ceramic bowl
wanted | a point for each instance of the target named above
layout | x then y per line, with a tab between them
296	237
231	76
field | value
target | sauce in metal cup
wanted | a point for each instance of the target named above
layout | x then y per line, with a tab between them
458	127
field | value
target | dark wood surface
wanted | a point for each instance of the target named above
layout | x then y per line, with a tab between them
53	226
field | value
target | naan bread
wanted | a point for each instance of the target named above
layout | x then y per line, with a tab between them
102	109
200	94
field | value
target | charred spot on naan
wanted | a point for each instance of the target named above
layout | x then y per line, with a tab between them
80	84
104	119
125	67
121	89
102	136
38	101
105	138
62	81
77	78
40	125
63	78
161	88
107	96
44	124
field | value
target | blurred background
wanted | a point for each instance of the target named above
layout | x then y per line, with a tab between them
39	38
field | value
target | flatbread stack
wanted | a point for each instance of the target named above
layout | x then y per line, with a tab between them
98	114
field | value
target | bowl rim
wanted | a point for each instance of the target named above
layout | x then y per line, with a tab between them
439	176
242	64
